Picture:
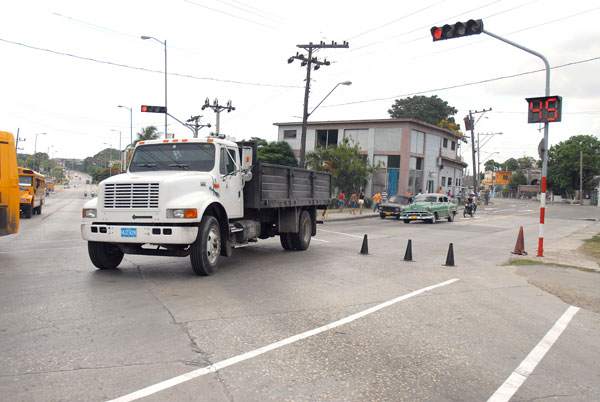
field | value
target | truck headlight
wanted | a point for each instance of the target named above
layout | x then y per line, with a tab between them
182	213
89	213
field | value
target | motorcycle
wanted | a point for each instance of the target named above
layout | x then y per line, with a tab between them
469	209
85	193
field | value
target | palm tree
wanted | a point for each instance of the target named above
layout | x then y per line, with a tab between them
147	133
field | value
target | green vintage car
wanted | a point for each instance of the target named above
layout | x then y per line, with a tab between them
430	208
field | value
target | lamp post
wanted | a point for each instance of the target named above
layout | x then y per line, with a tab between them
130	124
306	115
35	151
144	37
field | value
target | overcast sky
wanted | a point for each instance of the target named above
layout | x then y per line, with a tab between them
67	65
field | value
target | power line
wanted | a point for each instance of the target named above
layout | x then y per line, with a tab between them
465	84
229	14
142	68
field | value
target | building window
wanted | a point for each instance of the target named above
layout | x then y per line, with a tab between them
417	142
505	177
326	138
393	161
449	181
414	174
443	181
289	134
445	142
453	146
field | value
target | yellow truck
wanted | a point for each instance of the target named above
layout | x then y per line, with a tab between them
33	191
9	185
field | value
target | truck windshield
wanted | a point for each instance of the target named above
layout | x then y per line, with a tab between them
174	156
26	181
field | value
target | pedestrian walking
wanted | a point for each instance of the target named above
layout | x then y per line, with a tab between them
361	200
353	203
341	201
384	197
377	198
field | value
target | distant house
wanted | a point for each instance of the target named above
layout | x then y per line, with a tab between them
416	156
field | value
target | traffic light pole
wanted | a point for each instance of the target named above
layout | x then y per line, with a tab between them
545	148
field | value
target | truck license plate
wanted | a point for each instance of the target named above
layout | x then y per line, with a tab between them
128	232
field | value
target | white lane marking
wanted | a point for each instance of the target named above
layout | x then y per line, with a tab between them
257	352
340	233
518	377
324	241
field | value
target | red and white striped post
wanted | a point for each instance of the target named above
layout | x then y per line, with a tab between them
542	216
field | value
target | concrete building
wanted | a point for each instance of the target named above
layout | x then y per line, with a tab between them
415	156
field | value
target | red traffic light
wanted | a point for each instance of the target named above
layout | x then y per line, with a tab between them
457	30
154	109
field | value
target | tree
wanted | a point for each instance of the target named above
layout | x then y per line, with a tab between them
147	133
526	162
491	165
563	163
516	179
259	141
510	165
429	109
455	128
350	169
279	153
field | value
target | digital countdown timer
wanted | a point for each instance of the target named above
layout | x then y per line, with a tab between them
544	110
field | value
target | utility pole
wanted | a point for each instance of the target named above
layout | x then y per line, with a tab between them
581	177
217	109
310	61
470	125
197	126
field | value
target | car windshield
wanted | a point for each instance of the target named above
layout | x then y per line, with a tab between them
426	198
174	156
25	180
399	199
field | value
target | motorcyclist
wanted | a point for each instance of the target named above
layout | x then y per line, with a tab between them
469	205
85	193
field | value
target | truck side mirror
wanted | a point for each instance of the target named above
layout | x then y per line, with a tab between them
247	158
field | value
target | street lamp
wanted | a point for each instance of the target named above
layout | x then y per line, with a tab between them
35	150
305	117
144	37
130	124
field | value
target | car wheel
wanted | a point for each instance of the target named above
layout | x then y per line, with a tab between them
406	220
435	218
451	216
382	216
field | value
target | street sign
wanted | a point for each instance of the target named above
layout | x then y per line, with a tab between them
544	110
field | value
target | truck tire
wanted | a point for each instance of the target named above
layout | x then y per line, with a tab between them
286	241
301	240
28	211
104	255
39	210
206	250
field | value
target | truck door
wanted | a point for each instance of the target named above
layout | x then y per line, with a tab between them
230	186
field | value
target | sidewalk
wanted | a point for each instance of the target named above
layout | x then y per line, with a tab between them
335	215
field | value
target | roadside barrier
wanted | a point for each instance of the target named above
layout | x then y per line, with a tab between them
450	256
408	254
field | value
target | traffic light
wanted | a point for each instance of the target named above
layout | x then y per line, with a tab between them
154	109
471	27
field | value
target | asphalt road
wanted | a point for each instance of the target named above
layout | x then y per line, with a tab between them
69	332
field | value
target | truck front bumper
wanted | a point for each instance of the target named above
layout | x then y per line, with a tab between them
140	234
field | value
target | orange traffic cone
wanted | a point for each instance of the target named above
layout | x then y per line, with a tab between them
520	246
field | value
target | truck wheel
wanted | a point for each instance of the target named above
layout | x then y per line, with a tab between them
301	240
104	255
286	241
39	210
28	211
206	250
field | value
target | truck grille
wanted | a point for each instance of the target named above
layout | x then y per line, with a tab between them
129	196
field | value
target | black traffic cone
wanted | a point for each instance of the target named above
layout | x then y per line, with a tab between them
365	247
450	256
408	254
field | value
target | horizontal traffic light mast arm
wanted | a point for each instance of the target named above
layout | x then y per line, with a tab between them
541	56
